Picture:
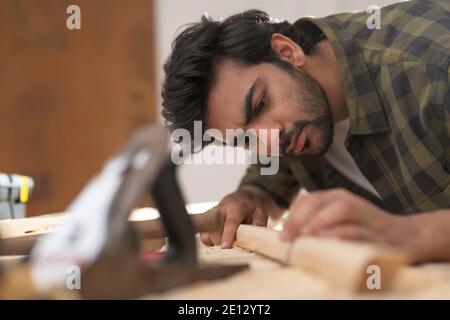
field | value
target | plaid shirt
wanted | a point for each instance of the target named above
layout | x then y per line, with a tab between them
396	82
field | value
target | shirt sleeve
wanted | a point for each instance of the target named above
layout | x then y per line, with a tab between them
282	186
421	128
435	108
437	114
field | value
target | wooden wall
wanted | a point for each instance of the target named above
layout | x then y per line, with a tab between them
69	98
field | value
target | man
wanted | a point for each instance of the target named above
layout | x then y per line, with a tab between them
363	116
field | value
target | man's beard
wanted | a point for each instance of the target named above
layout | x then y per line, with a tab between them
316	106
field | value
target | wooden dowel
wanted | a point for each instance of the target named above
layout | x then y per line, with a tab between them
343	264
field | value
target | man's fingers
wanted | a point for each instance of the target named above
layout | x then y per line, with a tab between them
206	239
229	230
330	215
234	210
213	238
216	237
303	209
259	218
235	214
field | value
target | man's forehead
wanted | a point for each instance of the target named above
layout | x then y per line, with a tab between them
229	74
226	95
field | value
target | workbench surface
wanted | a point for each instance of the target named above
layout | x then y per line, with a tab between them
267	279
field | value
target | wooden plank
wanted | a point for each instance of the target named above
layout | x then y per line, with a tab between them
19	235
10	228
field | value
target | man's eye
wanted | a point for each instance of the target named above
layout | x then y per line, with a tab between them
260	105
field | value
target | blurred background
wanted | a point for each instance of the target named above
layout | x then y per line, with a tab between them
70	98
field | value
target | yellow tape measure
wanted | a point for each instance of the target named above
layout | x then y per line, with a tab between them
24	190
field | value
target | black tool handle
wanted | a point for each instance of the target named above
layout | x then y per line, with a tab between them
176	222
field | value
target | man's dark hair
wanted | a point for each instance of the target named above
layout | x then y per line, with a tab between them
244	37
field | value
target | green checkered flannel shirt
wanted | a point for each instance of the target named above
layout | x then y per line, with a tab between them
396	82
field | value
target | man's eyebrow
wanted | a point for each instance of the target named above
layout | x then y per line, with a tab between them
247	107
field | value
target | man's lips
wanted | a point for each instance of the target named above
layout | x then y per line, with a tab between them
297	143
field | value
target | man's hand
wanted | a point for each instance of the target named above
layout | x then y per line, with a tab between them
243	206
338	213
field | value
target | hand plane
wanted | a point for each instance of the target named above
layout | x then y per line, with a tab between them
97	237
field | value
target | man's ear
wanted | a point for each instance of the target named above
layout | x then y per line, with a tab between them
288	50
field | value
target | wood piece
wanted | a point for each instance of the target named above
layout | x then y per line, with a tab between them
263	241
202	222
346	263
343	263
20	235
11	228
151	228
267	279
